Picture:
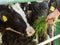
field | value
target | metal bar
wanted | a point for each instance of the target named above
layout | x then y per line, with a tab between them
49	40
15	1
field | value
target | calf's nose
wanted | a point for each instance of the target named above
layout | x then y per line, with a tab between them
30	31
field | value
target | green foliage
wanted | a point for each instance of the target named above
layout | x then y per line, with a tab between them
40	25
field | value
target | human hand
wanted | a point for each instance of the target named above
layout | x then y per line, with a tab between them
52	16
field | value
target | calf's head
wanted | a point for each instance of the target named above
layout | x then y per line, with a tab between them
15	18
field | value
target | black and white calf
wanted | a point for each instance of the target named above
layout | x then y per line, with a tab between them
14	26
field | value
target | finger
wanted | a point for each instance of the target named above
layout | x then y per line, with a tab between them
49	19
50	22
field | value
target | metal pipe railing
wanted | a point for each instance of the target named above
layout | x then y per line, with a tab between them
15	1
49	40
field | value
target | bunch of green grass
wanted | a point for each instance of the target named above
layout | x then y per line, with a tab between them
40	25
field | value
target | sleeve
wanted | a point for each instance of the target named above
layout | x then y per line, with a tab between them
58	4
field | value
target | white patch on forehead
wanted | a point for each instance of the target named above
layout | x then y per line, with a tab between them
18	9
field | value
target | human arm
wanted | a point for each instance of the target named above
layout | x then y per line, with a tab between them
53	15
